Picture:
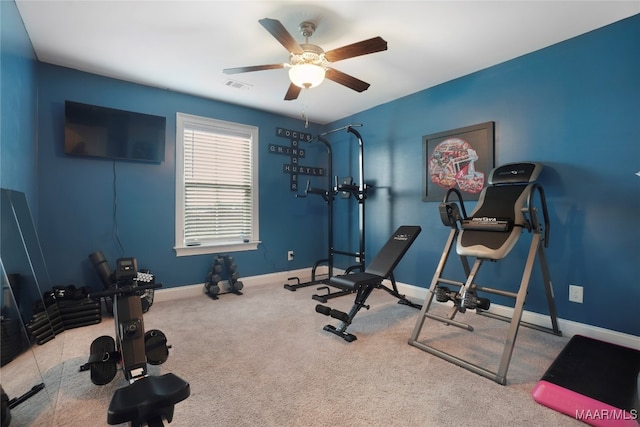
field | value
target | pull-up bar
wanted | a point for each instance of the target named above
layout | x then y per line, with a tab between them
341	128
328	196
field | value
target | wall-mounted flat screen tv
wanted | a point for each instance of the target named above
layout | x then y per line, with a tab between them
101	132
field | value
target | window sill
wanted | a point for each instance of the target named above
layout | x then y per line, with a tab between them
211	249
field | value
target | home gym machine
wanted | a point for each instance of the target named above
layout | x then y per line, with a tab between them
346	188
147	400
109	280
505	209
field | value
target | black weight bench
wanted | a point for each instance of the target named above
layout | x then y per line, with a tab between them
363	283
148	400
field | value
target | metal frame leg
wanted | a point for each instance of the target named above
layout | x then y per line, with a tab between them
341	330
536	248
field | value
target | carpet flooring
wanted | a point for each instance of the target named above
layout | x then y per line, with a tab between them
262	359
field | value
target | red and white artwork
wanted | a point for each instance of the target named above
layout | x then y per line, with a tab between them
452	163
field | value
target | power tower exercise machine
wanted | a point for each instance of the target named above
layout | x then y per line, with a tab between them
504	211
346	188
147	400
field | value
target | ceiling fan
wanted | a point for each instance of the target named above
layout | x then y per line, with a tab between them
309	64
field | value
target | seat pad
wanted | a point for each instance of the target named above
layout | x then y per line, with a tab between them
356	280
146	398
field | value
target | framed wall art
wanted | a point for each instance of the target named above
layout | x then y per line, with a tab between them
460	158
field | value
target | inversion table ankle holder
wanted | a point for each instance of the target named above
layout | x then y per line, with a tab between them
505	210
363	283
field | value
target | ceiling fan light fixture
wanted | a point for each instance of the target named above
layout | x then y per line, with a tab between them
306	75
309	63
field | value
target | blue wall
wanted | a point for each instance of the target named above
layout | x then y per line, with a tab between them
77	199
574	107
18	125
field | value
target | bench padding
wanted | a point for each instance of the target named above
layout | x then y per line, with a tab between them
385	261
147	398
503	200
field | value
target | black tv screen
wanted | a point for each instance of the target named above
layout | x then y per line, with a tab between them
108	133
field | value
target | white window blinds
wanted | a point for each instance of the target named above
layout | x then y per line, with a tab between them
218	183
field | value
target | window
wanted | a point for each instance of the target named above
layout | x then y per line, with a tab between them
216	186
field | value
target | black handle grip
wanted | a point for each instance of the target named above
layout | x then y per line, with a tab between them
124	291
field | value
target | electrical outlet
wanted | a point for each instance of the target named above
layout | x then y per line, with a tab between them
575	293
289	255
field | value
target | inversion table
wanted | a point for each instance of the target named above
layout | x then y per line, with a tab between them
504	211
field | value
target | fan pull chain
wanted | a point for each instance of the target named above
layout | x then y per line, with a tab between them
303	114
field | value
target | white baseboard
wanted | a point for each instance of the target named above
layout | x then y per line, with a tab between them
569	328
416	293
190	291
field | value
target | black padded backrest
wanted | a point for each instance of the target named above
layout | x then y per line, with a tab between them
507	194
515	173
503	202
393	251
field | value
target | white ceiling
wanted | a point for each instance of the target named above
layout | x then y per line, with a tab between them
184	45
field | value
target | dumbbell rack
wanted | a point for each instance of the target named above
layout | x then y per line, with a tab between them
222	278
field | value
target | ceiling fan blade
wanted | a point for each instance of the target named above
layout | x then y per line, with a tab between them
281	34
364	47
292	92
253	68
346	80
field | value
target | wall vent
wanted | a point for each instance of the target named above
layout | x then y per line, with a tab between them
237	85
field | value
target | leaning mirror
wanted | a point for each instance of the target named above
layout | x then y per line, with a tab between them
30	368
